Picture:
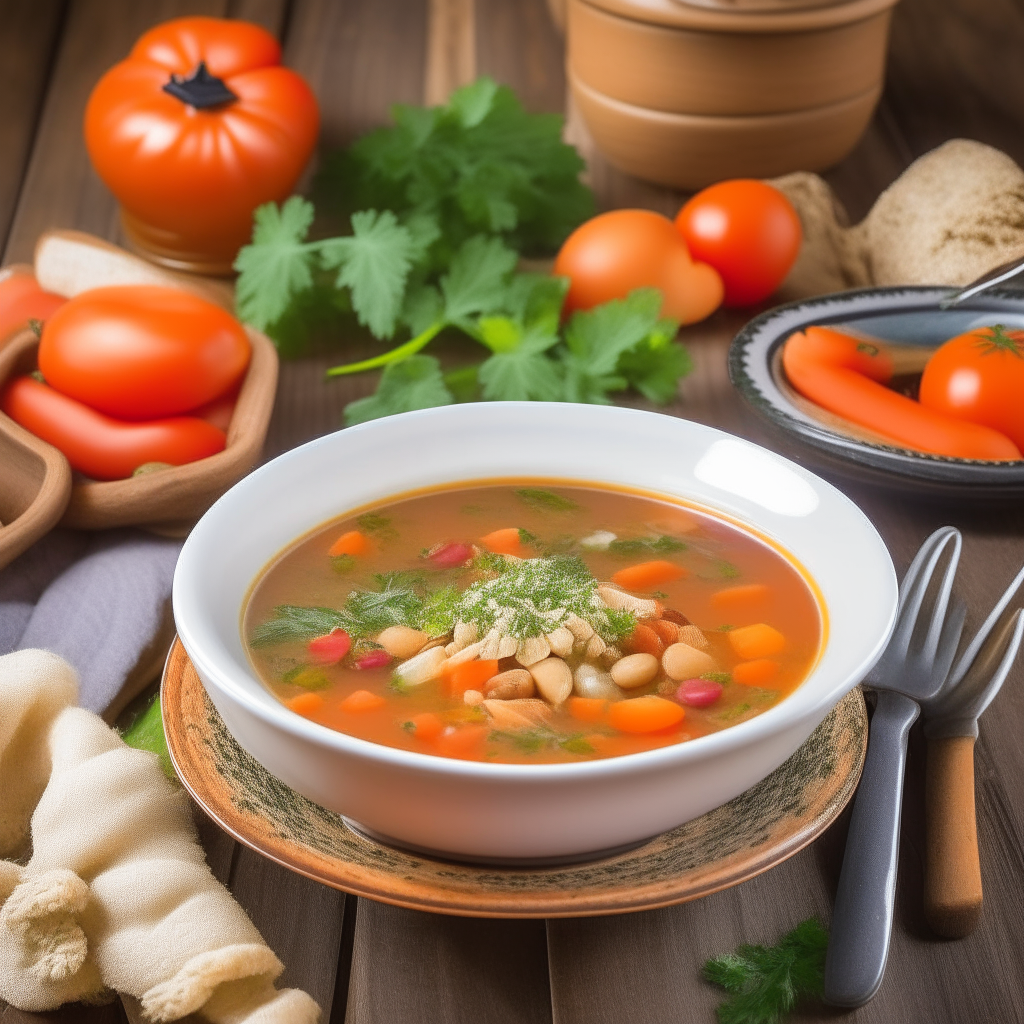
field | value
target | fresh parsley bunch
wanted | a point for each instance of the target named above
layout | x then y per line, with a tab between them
452	193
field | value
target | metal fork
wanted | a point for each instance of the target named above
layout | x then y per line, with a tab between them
903	677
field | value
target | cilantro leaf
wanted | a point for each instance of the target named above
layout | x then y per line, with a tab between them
765	982
597	338
519	371
413	383
373	262
480	163
277	264
477	279
656	364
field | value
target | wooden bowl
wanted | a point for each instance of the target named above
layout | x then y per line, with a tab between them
686	95
692	151
35	478
167	501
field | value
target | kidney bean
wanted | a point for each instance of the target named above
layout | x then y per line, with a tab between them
326	650
447	556
373	659
698	693
645	640
671	615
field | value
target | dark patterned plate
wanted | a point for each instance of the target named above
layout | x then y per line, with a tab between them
748	835
908	317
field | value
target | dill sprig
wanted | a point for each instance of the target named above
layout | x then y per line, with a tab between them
765	982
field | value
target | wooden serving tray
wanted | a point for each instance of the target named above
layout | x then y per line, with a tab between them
36	487
759	829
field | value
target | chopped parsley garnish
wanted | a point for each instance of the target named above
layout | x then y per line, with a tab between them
380	526
342	564
521	599
717	677
643	545
545	501
727	570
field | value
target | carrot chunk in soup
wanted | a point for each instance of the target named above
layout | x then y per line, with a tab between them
648	575
757	641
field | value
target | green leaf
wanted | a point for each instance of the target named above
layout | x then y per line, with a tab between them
473	102
294	622
545	501
374	263
477	279
766	982
464	383
656	364
147	733
519	371
597	338
277	264
413	383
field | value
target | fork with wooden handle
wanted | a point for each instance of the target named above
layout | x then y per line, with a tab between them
952	889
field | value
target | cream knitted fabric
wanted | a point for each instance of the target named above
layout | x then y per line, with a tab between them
116	893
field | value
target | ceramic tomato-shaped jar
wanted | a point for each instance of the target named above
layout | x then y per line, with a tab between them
193	131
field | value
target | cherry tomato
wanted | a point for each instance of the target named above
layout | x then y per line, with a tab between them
616	252
748	231
101	447
979	377
21	300
140	352
195	129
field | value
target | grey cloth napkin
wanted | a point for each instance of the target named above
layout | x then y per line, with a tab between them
99	600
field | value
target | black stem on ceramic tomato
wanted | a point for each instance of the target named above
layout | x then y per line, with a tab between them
200	90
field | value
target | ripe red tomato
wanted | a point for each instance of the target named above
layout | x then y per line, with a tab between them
99	446
190	161
979	377
748	231
613	253
140	352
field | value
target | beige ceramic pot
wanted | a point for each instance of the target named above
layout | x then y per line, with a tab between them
685	95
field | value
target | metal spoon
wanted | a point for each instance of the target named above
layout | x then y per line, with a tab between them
988	280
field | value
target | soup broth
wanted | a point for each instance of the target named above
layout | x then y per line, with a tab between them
528	622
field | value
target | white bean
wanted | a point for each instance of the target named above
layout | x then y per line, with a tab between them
681	661
514	684
532	650
589	681
634	670
553	678
561	641
402	641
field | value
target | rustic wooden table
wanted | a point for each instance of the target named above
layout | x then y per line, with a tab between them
954	70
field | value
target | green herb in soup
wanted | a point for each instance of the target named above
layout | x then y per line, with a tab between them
530	622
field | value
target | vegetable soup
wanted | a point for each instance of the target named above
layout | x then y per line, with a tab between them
526	622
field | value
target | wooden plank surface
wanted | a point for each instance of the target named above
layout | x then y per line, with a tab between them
952	72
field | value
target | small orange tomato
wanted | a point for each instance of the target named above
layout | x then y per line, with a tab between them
614	253
979	377
197	127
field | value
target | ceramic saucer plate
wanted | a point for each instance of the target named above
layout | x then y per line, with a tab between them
909	318
759	829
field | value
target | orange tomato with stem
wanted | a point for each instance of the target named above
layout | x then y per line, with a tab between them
979	377
197	127
614	253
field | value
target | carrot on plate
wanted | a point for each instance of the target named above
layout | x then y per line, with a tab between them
846	376
588	709
305	704
759	672
362	700
645	714
504	542
648	575
757	641
470	675
352	543
740	597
